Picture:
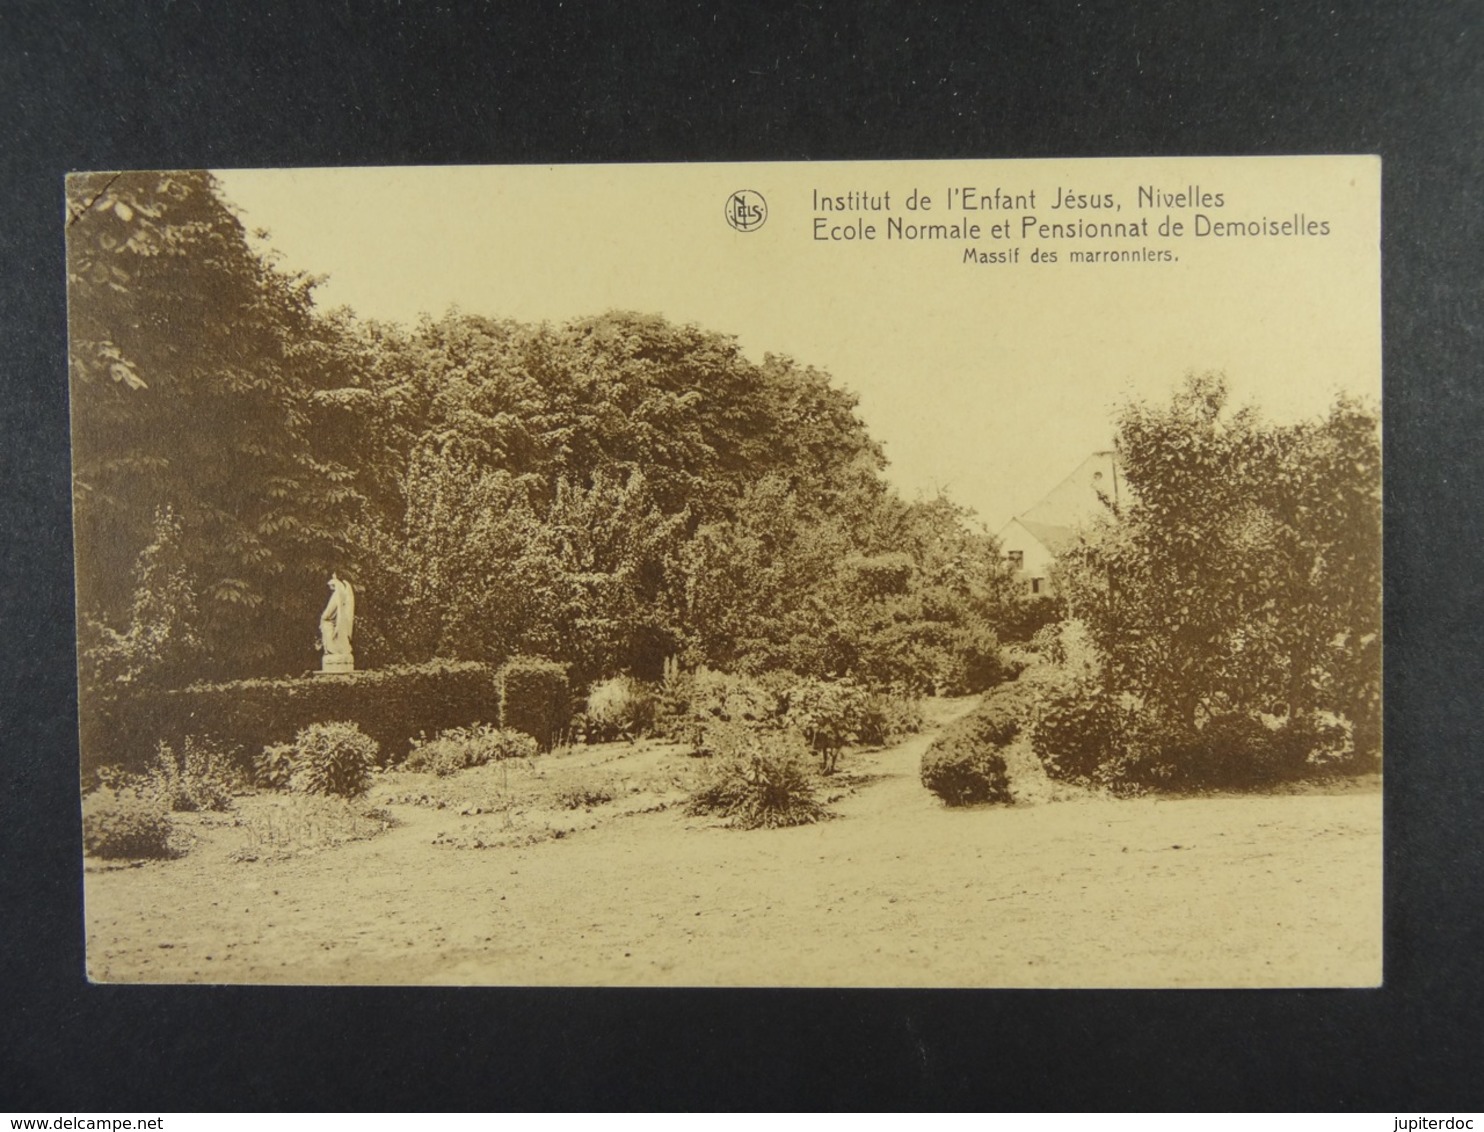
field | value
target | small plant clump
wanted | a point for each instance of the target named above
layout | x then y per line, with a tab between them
123	823
757	779
583	797
888	717
619	707
459	748
306	823
706	698
333	758
274	768
201	778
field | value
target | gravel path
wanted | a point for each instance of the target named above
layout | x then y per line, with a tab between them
897	891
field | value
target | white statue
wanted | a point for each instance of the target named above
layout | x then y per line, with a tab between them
335	626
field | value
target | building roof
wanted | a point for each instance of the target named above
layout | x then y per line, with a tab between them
1080	496
1053	537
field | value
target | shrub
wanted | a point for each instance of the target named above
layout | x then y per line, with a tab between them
1235	751
976	664
1078	729
1232	750
274	768
619	706
202	778
333	758
963	766
719	697
828	713
535	698
758	778
997	719
461	747
390	705
125	823
672	701
889	717
1023	618
1308	743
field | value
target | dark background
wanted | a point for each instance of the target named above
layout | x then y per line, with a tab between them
96	86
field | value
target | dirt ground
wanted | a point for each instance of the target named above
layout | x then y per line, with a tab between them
1066	889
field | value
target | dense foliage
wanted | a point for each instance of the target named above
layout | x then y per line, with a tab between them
194	364
610	493
1233	601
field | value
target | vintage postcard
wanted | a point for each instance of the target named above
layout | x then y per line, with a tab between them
952	574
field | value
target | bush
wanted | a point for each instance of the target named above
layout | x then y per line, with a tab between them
202	778
829	714
889	717
1078	729
461	747
619	706
728	698
1027	615
705	698
757	778
998	718
1310	743
390	705
535	698
125	823
333	758
976	664
1235	751
274	768
964	766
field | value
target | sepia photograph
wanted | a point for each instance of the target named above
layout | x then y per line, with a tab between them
813	574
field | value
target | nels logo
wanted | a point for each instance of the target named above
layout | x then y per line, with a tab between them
746	210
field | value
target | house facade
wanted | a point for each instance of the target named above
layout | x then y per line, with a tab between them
1032	540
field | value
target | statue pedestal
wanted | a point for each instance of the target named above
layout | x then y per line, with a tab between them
335	663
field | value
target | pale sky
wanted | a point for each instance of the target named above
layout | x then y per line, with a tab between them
992	381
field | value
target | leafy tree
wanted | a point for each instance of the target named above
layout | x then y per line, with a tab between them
610	492
159	646
188	395
1242	572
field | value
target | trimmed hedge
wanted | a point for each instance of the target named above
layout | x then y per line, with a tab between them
391	705
963	766
535	698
